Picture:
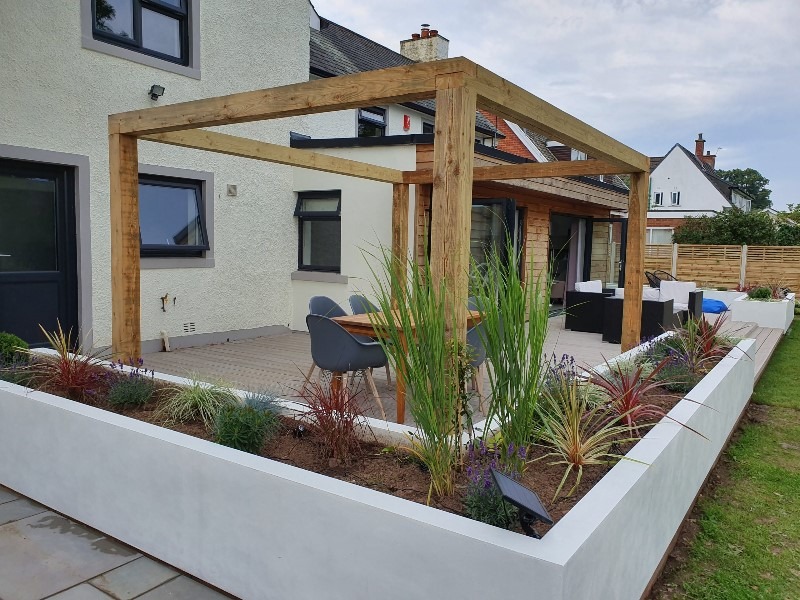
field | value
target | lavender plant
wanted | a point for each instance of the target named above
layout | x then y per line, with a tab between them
131	388
483	501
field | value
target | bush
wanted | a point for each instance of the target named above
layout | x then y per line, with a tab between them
132	388
18	372
197	400
262	401
244	427
12	349
483	501
760	293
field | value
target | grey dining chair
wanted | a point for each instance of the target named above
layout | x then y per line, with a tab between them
335	349
361	306
477	360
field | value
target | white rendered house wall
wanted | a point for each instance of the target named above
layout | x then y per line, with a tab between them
366	225
57	95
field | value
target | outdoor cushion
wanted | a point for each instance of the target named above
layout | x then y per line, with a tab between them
677	291
595	286
713	306
619	292
649	293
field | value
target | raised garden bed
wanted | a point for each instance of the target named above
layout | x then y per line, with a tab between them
775	314
260	528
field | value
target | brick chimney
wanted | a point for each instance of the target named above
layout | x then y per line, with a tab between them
425	46
699	148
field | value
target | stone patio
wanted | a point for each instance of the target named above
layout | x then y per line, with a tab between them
45	555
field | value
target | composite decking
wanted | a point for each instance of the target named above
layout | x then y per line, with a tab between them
278	363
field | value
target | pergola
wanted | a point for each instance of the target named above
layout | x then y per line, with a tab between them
458	85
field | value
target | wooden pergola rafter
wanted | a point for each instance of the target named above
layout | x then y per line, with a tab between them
459	87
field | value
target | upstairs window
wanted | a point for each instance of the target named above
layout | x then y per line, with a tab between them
427	127
676	198
371	122
658	199
320	231
171	217
158	28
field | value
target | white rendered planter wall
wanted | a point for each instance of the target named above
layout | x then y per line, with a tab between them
726	297
262	529
776	315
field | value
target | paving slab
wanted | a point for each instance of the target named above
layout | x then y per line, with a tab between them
6	495
47	553
81	592
134	578
19	509
183	588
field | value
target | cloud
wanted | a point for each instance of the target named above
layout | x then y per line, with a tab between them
649	72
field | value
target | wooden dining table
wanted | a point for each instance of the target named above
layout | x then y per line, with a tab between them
363	325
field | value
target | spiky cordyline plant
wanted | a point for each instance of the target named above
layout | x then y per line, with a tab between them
514	313
335	413
579	434
626	389
76	371
699	342
430	363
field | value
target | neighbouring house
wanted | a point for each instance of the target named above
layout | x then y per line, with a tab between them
683	185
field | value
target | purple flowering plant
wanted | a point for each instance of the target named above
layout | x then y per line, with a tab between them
483	501
131	384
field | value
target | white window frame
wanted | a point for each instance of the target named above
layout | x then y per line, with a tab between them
675	198
658	198
649	236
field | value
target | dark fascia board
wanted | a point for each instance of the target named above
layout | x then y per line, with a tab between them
501	154
365	142
430	112
601	184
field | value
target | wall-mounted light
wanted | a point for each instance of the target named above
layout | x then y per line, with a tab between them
156	91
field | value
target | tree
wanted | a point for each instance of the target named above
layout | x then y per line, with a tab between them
751	182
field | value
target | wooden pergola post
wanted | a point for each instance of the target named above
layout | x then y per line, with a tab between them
400	201
634	260
451	202
126	337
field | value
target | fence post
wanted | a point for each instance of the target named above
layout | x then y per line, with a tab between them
674	271
743	268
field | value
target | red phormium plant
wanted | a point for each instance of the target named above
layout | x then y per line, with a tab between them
626	389
335	415
75	371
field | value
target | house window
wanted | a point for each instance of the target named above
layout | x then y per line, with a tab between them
371	122
676	198
659	235
427	127
320	228
159	28
658	199
171	217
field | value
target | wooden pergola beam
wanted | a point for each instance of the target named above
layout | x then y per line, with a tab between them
511	102
212	141
528	171
126	337
634	260
386	86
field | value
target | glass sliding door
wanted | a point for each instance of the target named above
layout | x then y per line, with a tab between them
493	222
604	256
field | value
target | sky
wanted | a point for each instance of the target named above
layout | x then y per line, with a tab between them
650	73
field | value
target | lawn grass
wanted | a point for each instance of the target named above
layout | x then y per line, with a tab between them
748	545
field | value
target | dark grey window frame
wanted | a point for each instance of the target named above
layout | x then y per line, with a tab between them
303	216
181	14
168	251
192	70
364	118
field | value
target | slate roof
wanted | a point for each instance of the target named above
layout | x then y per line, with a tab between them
336	50
722	186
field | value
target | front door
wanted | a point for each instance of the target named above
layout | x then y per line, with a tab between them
38	265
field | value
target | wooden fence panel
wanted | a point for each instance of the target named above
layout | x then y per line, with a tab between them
658	257
773	265
710	266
